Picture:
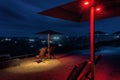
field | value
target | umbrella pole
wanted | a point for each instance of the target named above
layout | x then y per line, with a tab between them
92	53
48	45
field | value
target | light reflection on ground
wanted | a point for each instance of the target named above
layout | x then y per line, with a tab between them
29	65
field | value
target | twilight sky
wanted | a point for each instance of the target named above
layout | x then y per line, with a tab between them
20	18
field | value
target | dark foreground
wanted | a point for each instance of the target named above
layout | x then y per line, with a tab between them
60	68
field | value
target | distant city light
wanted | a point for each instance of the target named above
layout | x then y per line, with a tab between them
7	39
31	40
106	34
31	46
51	41
67	36
2	40
59	45
15	42
56	37
117	36
43	41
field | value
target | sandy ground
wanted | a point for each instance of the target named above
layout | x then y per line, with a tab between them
60	68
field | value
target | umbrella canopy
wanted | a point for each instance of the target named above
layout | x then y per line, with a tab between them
75	11
100	32
48	32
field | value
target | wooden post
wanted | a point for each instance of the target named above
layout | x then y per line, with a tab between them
48	45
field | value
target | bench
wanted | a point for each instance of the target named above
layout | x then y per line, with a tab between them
82	71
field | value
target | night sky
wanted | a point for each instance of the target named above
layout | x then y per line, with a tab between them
20	18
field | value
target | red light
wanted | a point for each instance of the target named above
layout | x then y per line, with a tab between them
86	3
98	9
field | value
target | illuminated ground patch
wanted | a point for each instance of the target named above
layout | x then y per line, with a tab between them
29	65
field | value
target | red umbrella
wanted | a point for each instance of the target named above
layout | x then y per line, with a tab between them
75	11
79	11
